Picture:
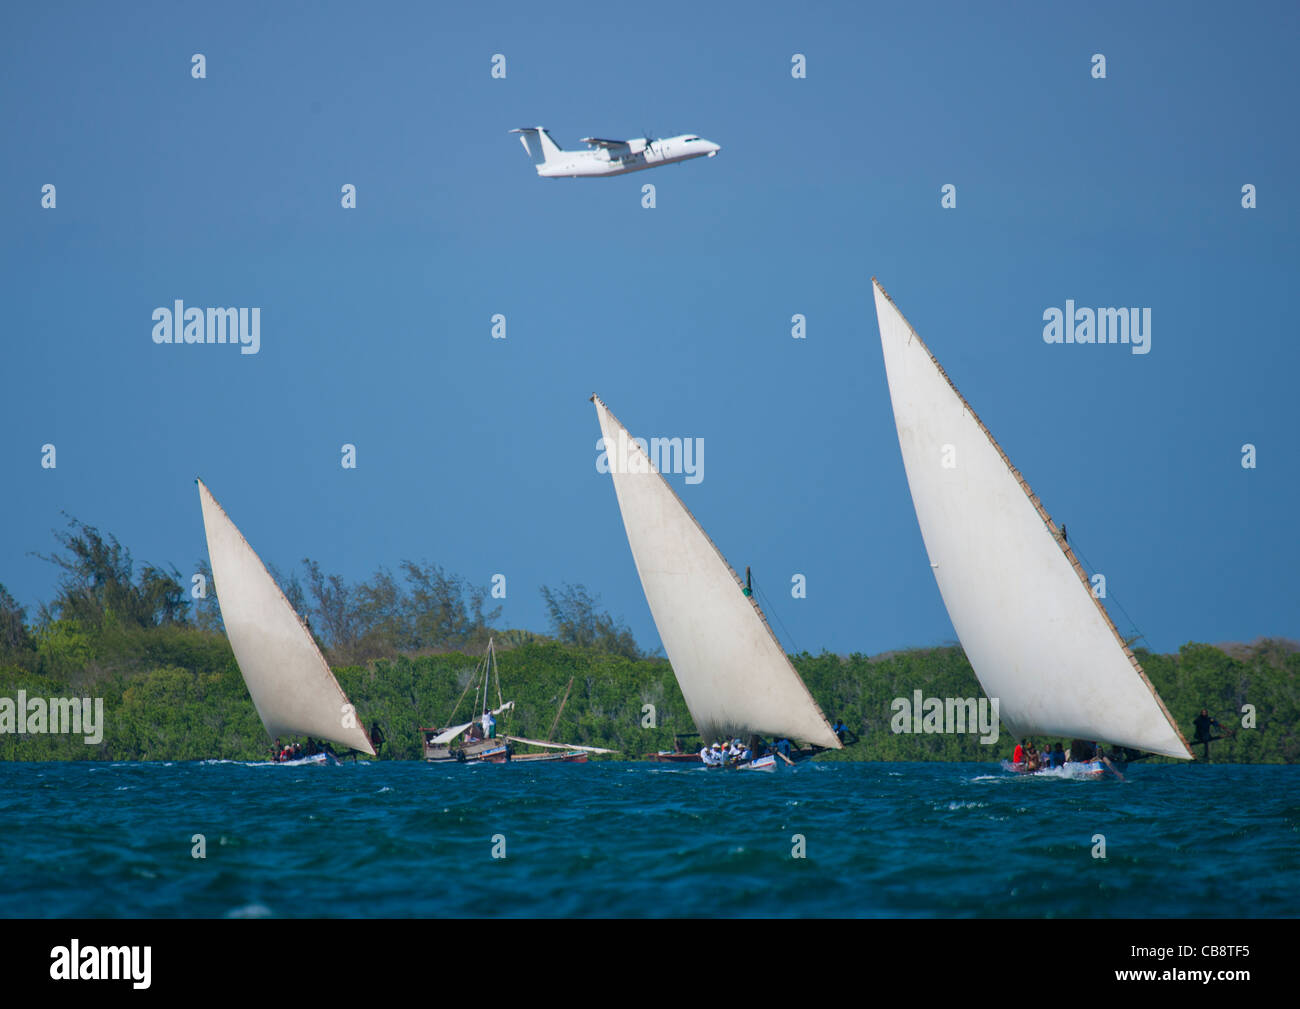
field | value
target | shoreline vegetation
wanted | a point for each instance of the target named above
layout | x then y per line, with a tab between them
404	648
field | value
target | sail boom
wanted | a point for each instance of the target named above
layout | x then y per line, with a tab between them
558	746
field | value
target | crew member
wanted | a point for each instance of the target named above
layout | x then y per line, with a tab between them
1204	723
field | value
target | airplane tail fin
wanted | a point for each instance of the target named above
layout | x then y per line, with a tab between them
546	147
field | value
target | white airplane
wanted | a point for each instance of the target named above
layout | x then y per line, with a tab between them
610	157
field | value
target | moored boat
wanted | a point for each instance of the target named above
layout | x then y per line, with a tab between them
566	757
477	741
672	757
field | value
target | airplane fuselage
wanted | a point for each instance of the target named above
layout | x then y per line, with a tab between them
628	158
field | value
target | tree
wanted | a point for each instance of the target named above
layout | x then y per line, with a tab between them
14	636
333	608
445	611
380	609
207	609
97	573
380	617
575	620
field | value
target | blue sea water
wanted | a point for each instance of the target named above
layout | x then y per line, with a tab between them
639	839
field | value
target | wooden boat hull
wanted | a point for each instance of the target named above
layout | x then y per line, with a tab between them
315	758
478	750
567	757
769	761
1092	769
501	753
673	757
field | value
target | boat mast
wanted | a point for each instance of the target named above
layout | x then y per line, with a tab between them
561	711
496	673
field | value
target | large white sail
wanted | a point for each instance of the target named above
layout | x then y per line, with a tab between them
1021	603
292	686
734	675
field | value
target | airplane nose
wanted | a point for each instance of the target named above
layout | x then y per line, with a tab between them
714	148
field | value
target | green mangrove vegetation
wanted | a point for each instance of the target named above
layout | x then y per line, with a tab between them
404	648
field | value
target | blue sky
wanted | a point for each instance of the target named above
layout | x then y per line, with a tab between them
480	454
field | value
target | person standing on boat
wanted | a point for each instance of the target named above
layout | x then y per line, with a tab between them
489	726
1204	724
1018	755
1058	756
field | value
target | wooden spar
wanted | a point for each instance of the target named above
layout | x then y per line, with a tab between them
561	711
496	671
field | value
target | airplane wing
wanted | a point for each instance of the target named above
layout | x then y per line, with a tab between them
617	147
